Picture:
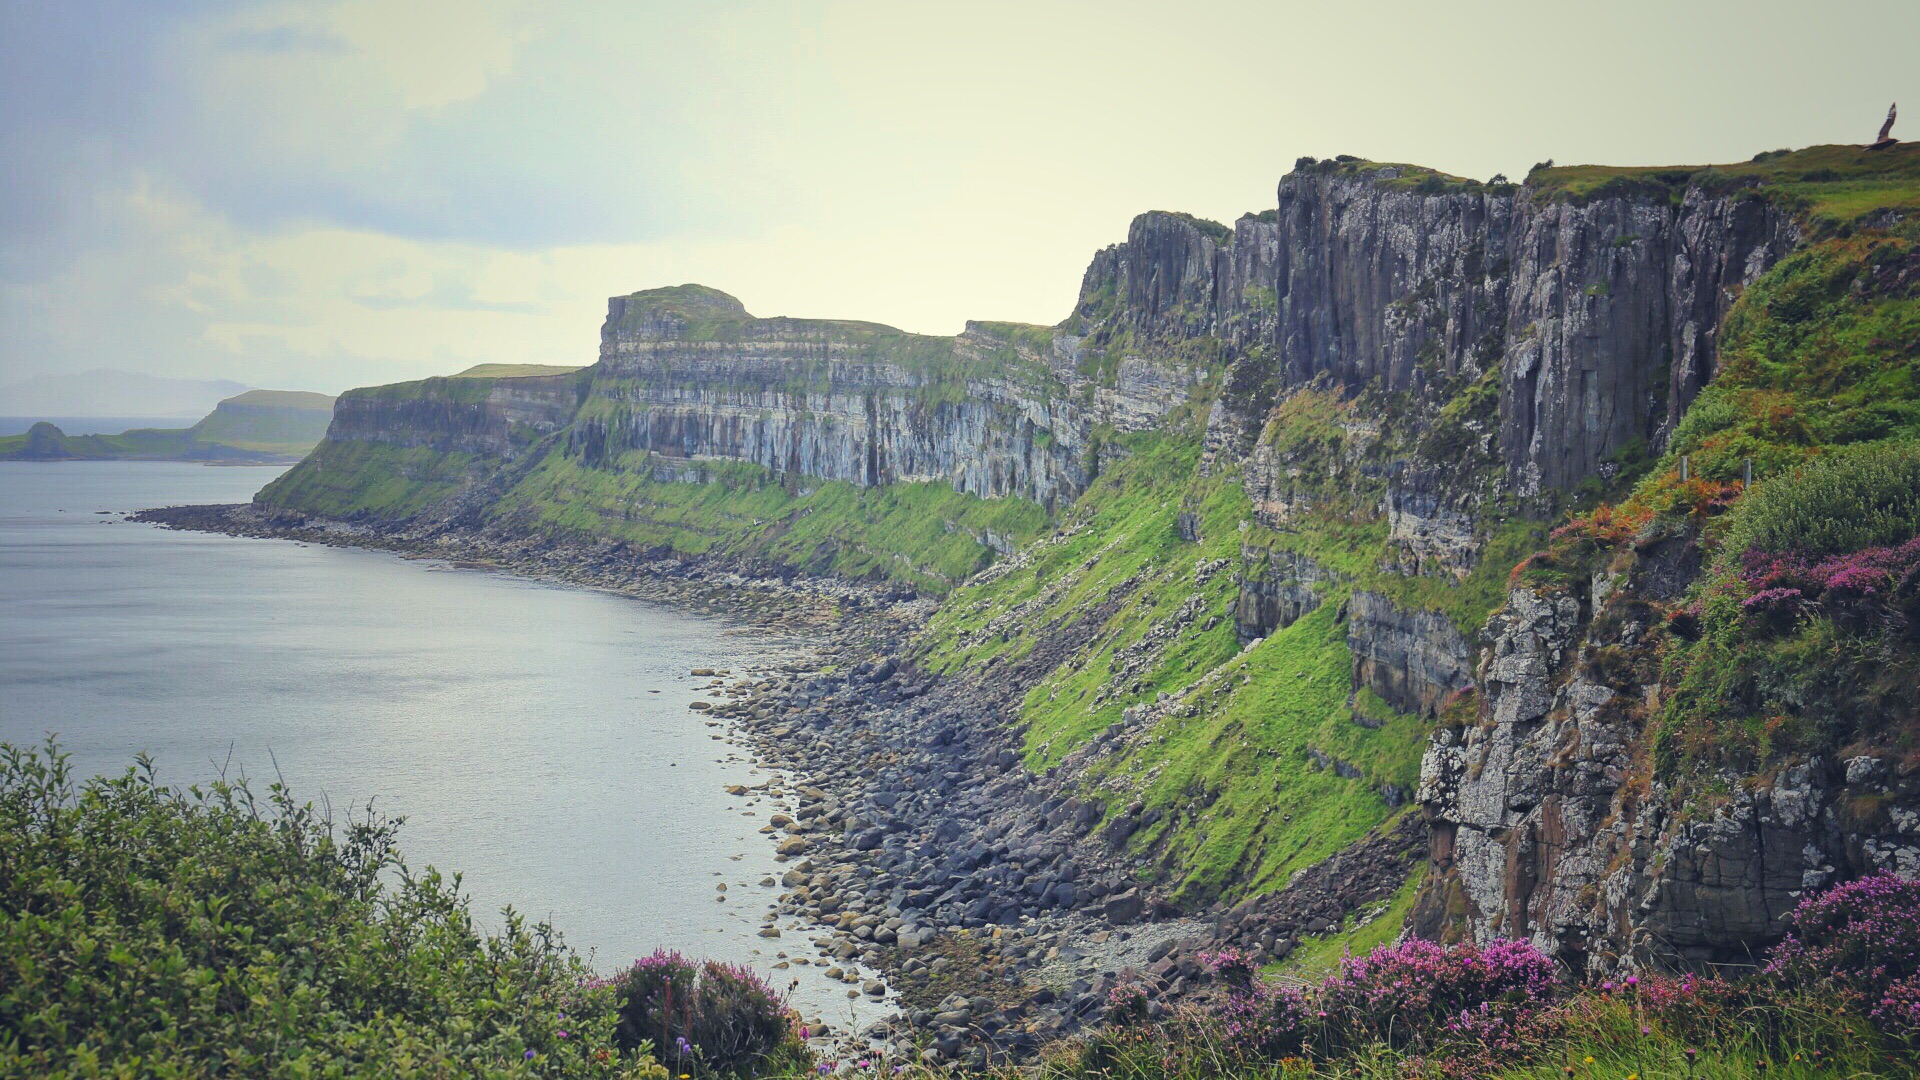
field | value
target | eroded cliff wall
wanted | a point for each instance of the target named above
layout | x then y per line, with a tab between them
1597	314
985	412
1262	491
1695	706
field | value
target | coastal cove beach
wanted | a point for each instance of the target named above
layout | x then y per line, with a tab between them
537	738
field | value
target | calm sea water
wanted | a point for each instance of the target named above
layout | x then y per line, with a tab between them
536	737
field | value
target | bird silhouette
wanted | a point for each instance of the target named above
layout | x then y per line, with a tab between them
1886	130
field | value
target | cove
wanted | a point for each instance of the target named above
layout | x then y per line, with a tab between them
537	738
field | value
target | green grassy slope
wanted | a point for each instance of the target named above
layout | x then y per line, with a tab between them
354	480
925	535
1237	764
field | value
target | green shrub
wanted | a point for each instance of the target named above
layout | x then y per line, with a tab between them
1800	648
147	931
706	1017
1866	497
1712	412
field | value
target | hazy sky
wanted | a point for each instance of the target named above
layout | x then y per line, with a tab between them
321	195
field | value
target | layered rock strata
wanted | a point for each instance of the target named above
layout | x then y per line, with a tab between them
1548	826
1599	316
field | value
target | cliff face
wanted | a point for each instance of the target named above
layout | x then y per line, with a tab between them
1659	763
1547	335
1178	279
1412	659
866	404
1361	277
1547	826
1599	314
497	418
1273	477
1436	362
686	376
1275	588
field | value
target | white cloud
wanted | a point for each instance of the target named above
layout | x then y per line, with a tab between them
318	195
319	308
436	52
326	308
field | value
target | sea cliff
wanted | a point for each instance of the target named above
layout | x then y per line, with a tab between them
1396	513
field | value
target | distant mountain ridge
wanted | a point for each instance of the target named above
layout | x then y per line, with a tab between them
110	392
253	426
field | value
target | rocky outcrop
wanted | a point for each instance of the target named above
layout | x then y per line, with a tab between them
1395	278
1412	659
1427	535
1283	487
1719	245
1497	830
1178	278
492	417
1276	587
1547	825
43	442
842	401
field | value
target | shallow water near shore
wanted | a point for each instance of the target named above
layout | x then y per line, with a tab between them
537	738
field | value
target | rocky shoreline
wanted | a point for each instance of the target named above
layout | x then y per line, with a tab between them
768	600
997	911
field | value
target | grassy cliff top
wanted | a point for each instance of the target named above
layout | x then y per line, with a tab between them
1396	174
1830	186
455	388
1834	184
283	399
689	301
1213	230
515	371
703	313
1031	334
